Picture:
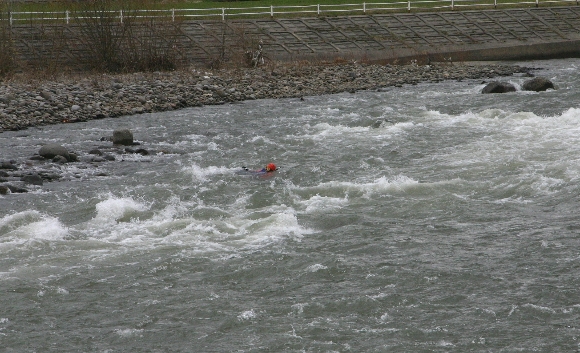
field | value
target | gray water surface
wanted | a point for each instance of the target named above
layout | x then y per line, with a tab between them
427	218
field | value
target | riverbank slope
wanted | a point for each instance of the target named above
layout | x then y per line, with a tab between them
30	103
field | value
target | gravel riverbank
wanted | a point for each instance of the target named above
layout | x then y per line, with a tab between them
26	104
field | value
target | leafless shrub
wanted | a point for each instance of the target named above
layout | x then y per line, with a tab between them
237	47
7	51
117	39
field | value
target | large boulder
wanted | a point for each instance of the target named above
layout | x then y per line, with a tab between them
123	137
52	150
498	87
538	84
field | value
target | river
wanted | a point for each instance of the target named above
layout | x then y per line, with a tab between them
427	218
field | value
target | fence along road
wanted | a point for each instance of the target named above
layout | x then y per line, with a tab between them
502	34
280	11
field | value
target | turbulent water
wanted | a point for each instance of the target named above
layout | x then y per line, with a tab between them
428	218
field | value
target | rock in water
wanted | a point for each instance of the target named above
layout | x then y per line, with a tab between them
123	137
498	87
52	150
538	84
33	179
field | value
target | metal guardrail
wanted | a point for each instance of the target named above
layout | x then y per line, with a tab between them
273	11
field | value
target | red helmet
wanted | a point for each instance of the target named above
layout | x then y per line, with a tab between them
271	167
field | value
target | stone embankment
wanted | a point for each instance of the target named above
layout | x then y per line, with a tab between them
27	104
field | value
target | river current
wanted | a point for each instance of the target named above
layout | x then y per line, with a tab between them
427	218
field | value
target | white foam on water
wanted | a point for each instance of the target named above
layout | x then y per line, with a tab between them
199	173
273	228
337	193
30	226
540	309
114	209
328	130
191	225
262	140
319	203
316	268
247	315
129	332
519	154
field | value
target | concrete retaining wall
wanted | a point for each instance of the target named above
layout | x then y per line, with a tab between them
532	33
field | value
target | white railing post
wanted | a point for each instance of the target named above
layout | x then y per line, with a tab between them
272	11
495	4
364	8
537	3
67	17
121	15
409	5
318	9
10	13
172	15
223	13
452	5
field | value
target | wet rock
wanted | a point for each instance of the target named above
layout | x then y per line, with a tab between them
498	87
16	189
59	160
52	150
377	124
123	137
8	165
49	176
37	157
3	174
538	84
96	151
4	189
33	179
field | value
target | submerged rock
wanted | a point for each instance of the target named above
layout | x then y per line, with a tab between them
8	165
33	179
15	189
